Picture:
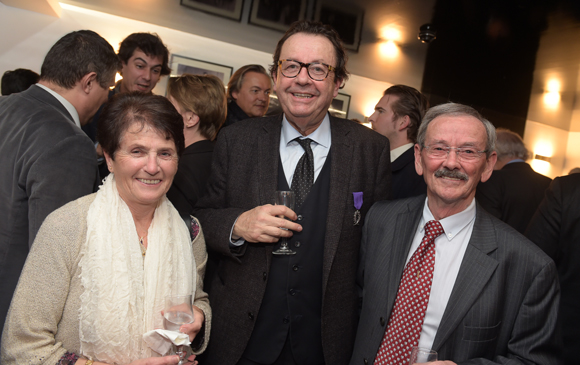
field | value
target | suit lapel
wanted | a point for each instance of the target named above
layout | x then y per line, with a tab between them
405	228
476	269
340	169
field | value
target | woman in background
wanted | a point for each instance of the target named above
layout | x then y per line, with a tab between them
201	101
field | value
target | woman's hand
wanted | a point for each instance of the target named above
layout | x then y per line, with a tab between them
193	329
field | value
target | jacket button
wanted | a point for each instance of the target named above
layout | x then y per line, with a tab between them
295	267
366	361
286	320
300	217
265	275
382	321
250	315
292	292
297	244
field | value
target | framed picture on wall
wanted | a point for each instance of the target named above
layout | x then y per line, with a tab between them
183	65
277	14
346	20
339	106
227	8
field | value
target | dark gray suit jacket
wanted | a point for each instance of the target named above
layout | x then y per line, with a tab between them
46	161
503	307
245	175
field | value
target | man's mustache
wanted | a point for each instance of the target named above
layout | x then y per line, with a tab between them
453	174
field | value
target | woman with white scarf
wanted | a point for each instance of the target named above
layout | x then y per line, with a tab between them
101	266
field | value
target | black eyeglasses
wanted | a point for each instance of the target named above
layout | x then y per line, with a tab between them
316	71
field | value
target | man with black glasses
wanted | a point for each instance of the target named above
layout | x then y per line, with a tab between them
441	273
299	308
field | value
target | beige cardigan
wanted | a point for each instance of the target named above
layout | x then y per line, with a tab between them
42	323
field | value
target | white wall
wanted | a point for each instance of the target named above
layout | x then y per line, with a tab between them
27	36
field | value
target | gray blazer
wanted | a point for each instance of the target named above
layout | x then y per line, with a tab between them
244	175
46	161
503	307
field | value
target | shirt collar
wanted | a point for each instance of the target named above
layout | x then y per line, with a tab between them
515	160
69	107
321	135
397	152
452	225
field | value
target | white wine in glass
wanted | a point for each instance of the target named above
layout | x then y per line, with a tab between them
285	198
421	355
178	311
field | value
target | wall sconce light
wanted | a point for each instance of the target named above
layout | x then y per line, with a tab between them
542	158
552	94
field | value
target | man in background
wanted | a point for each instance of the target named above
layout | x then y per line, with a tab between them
18	80
555	228
441	273
144	59
248	94
397	116
514	190
46	160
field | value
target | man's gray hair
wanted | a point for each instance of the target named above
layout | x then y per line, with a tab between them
455	109
510	144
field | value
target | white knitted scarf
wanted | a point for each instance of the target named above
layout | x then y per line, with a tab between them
124	292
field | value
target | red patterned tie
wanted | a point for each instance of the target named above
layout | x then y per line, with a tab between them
408	314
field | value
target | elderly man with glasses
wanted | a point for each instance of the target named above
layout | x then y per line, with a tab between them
441	273
299	307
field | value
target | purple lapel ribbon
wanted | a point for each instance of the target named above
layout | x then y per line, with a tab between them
358	202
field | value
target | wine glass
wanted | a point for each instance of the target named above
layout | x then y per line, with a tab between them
285	198
178	311
420	355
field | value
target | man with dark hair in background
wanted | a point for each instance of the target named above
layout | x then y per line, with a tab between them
248	93
397	116
514	190
299	308
144	59
46	160
18	80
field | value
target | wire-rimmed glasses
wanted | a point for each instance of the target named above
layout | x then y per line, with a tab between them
463	153
317	71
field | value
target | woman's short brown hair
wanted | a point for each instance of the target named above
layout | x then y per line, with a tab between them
205	96
124	109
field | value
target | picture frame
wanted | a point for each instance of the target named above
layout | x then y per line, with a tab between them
277	14
339	106
346	20
181	65
231	9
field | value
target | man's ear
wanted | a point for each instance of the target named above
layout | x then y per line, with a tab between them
489	164
191	119
235	95
404	122
88	82
418	160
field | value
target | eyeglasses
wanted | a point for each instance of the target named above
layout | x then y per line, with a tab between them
463	153
316	71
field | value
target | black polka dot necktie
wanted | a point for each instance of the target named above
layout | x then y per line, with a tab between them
304	172
404	327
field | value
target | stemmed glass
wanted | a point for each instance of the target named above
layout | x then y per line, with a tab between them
178	311
420	355
285	198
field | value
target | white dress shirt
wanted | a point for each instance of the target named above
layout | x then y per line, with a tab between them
291	152
397	152
69	107
449	251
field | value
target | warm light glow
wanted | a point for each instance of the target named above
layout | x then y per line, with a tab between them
552	99
368	125
389	49
541	167
370	108
553	86
389	33
118	77
552	94
543	148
